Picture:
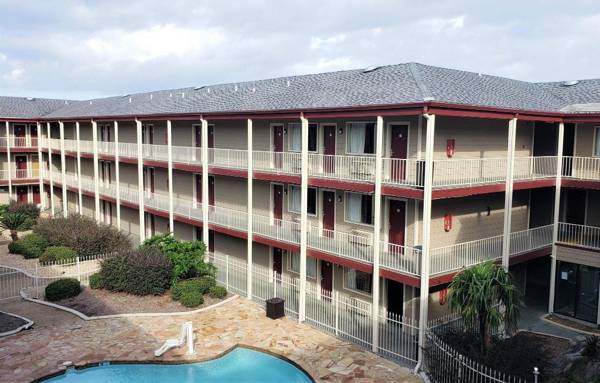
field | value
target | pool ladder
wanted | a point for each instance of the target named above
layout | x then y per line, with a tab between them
187	334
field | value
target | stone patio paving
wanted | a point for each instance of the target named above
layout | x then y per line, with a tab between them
58	337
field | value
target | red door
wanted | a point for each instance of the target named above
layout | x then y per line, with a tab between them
277	260
211	191
399	147
329	148
277	203
22	194
36	194
326	278
33	133
397	215
328	213
199	189
211	241
21	162
278	145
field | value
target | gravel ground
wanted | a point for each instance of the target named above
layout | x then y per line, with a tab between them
9	322
102	302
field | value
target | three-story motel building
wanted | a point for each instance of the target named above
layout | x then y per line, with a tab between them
378	184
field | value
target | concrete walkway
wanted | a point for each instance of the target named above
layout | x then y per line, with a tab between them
531	320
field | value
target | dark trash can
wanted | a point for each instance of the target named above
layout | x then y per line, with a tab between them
275	308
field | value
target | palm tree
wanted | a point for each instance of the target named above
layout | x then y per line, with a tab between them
485	296
14	222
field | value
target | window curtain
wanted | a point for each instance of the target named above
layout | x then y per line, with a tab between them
296	137
311	265
295	262
294	198
366	209
357	138
354	207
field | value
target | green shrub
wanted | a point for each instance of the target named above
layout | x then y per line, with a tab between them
187	256
140	272
206	283
3	209
82	234
202	285
57	253
30	246
191	298
96	281
218	292
62	288
30	210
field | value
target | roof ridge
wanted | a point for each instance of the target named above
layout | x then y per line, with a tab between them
414	70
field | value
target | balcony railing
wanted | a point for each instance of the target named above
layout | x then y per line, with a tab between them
16	174
277	162
358	168
455	257
533	168
228	158
579	235
228	218
19	142
185	208
400	258
581	168
285	231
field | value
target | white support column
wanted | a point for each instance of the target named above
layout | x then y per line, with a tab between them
117	176
303	220
79	192
140	166
424	298
40	168
417	210
9	162
559	163
96	171
170	174
377	229
50	171
205	196
249	213
508	194
63	168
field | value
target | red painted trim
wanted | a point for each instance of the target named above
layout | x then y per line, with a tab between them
284	178
156	212
275	243
470	113
340	261
188	168
30	149
581	184
366	113
441	280
20	181
228	172
339	184
402	278
402	192
231	232
578	247
536	184
18	119
189	221
466	191
153	163
528	256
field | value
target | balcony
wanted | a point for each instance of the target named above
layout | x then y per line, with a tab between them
579	235
19	142
581	168
20	174
453	258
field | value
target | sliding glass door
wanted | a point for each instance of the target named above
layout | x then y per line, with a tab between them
577	291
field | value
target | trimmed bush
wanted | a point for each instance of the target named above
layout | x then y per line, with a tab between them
217	292
96	281
201	285
57	253
187	256
206	283
82	234
140	272
62	289
28	209
30	246
191	298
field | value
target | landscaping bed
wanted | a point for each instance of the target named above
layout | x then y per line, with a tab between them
573	324
9	322
93	302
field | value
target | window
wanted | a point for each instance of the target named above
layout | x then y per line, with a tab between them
311	265
361	138
357	281
597	141
295	200
295	133
359	208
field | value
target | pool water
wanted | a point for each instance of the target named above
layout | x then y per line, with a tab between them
239	365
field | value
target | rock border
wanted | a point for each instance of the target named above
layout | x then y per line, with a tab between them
126	315
26	326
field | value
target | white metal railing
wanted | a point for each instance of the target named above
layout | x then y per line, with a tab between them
70	145
187	154
106	148
228	158
228	218
360	168
286	231
531	239
156	201
581	168
579	235
467	172
19	142
127	149
155	152
16	174
400	258
403	172
532	168
54	143
354	246
277	162
185	208
85	146
455	257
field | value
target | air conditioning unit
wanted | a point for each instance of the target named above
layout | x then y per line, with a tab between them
361	238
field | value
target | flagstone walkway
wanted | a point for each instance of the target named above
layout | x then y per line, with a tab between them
58	337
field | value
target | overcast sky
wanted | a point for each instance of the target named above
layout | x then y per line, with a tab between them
85	49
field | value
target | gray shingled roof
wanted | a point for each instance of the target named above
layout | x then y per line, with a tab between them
392	84
21	107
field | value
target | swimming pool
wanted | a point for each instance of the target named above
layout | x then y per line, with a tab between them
239	365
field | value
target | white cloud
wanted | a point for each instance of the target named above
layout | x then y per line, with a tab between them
439	24
322	42
322	65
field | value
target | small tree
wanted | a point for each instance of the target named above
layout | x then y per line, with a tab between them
485	296
14	222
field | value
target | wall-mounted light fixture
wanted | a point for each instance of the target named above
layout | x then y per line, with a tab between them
341	131
284	130
340	198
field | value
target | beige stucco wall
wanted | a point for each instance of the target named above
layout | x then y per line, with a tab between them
584	139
